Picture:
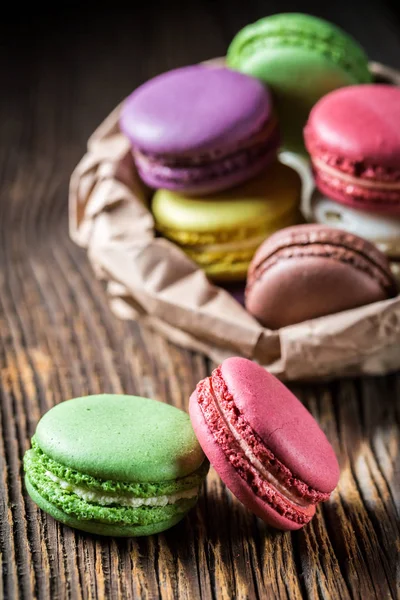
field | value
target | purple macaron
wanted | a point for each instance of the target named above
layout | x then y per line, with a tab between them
198	129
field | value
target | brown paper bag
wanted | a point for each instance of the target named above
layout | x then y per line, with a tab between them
151	279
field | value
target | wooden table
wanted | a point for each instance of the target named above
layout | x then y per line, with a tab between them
60	77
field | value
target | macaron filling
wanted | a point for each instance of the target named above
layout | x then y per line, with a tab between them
203	167
368	178
254	462
226	247
232	252
246	234
382	230
383	190
214	258
359	169
128	500
343	248
115	502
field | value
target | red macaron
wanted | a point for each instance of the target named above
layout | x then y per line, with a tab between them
264	444
353	138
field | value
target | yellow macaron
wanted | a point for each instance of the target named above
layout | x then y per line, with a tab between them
222	232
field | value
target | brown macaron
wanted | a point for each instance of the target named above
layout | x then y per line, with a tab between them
308	271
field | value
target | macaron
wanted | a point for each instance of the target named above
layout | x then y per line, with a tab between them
383	230
309	271
200	129
264	444
115	465
222	232
353	137
301	58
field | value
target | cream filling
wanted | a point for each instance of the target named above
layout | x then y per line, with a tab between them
210	157
130	501
284	491
252	242
381	230
367	184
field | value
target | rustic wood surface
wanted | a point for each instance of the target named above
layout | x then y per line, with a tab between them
60	77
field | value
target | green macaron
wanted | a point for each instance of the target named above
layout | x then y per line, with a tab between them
115	465
301	58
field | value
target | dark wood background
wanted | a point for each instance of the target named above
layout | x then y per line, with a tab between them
61	73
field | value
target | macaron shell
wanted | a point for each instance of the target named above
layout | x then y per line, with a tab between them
229	476
266	198
357	123
195	109
207	185
229	262
312	31
384	231
314	233
282	422
96	527
358	195
120	438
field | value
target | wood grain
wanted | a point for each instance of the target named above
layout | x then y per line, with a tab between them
58	339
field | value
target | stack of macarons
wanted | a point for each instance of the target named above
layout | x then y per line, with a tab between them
338	262
353	137
347	127
206	138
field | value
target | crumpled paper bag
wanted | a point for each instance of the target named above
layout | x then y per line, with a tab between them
151	279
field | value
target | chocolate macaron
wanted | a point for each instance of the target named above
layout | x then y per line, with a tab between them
308	271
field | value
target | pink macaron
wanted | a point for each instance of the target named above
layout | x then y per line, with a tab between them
264	444
353	137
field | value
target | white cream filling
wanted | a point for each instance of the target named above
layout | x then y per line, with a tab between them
249	244
255	462
130	501
364	183
382	230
